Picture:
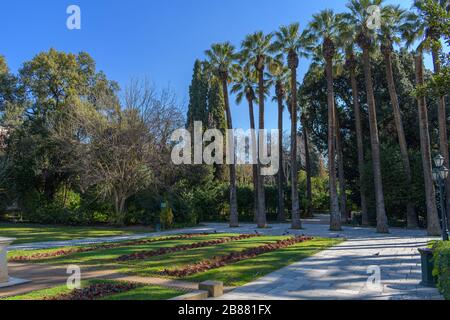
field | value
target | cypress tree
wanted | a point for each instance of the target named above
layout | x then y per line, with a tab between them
216	120
198	95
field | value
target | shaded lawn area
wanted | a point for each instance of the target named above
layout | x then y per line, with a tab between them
28	233
141	293
107	256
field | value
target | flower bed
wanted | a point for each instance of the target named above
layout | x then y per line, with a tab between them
162	251
66	252
96	291
221	261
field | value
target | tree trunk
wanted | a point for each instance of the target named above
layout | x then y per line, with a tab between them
382	222
254	166
360	145
280	177
443	140
296	222
234	218
341	173
411	215
335	219
262	221
119	206
309	211
434	228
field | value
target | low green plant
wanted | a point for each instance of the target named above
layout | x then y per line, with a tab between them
166	216
442	267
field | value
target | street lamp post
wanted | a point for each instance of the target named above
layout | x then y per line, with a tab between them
440	175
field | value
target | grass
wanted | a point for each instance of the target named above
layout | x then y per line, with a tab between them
146	293
28	233
235	274
242	272
153	265
140	293
103	256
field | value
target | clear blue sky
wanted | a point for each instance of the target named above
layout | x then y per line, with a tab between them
159	39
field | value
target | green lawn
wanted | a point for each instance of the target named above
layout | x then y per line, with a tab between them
140	293
27	233
242	272
235	274
103	256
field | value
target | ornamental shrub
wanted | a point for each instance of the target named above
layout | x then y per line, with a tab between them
442	267
166	217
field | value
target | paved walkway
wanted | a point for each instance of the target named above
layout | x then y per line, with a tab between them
338	273
46	276
342	272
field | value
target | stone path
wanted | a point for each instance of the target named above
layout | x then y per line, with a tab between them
340	272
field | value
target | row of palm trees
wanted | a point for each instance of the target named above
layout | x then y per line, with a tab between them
272	60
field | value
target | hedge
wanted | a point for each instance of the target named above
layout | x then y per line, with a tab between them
442	267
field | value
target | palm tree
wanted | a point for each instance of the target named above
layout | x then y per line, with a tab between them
347	43
420	26
220	60
434	228
358	20
255	50
323	29
388	35
289	44
304	122
245	87
279	76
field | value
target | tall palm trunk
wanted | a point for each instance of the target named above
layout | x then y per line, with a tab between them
254	151
309	211
382	222
359	141
434	228
261	221
443	140
335	219
280	177
341	173
411	215
293	65
234	219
